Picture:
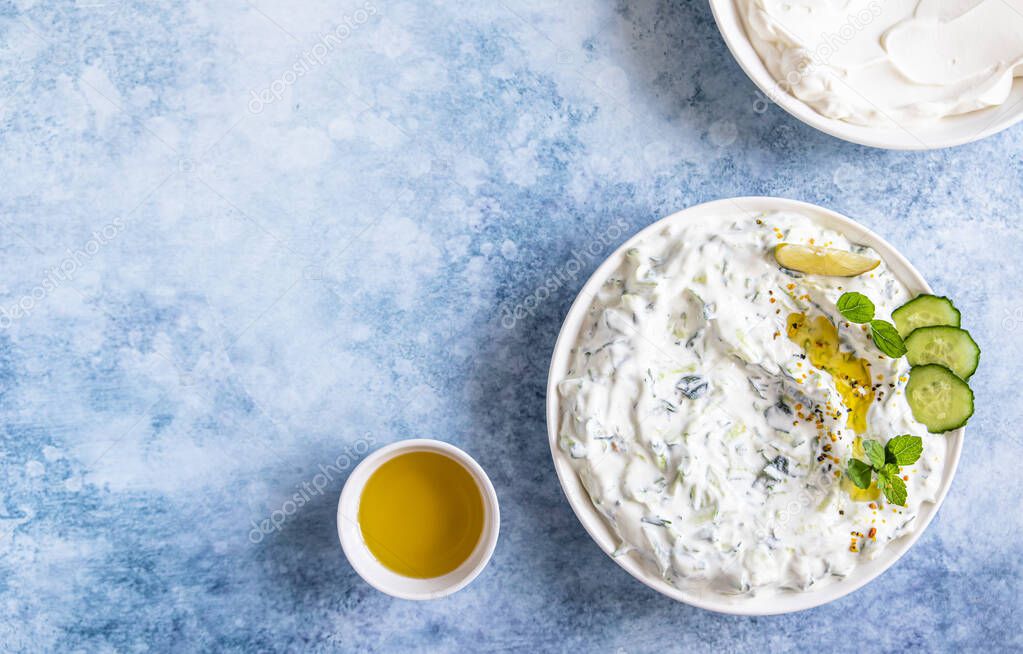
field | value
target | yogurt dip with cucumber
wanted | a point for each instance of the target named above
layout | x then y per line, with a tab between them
725	416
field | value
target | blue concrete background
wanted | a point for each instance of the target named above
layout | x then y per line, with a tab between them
244	242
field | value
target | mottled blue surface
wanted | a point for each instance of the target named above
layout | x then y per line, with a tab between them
218	276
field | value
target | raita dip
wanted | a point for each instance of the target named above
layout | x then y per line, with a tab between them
714	399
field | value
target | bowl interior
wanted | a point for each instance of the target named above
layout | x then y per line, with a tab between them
947	132
383	578
724	211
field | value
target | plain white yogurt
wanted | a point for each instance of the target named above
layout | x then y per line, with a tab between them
890	63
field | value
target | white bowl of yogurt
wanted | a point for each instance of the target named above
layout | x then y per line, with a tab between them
901	74
669	401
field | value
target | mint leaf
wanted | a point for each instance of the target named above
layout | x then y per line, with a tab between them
860	473
875	451
891	484
855	307
887	338
904	450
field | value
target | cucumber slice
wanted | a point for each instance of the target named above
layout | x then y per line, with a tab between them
939	399
951	347
925	311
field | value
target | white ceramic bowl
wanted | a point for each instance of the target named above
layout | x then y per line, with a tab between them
725	211
955	130
386	580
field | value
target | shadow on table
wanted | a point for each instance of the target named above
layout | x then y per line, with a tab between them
304	561
677	62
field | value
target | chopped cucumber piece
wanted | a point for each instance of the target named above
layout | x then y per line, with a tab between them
951	347
925	311
938	398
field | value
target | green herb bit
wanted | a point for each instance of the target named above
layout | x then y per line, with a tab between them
904	450
891	484
860	473
875	452
887	338
856	307
884	462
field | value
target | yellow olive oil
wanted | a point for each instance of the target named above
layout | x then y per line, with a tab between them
421	514
819	339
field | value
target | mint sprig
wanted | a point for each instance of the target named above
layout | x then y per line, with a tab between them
887	338
860	473
884	462
875	452
858	308
904	450
891	484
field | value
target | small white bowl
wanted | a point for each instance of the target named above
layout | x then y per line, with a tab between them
947	132
725	211
386	580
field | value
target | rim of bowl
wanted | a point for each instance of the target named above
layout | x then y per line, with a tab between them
382	578
593	522
945	133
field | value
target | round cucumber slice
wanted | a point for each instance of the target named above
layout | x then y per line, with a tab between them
938	399
925	311
951	347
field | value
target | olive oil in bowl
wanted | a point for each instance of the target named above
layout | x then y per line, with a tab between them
421	514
